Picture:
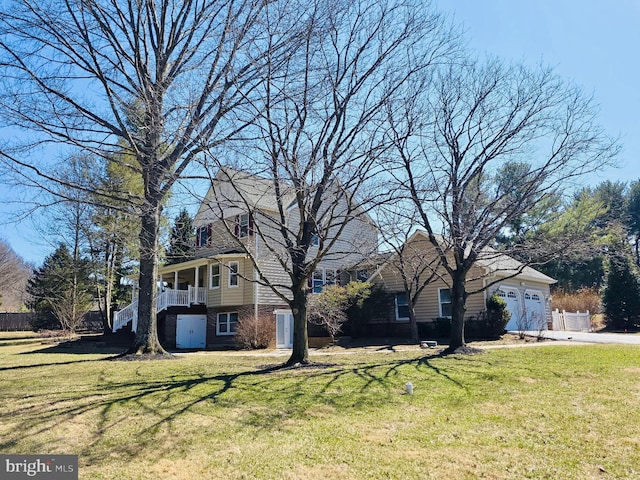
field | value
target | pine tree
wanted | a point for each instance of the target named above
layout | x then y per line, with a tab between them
61	289
181	242
621	297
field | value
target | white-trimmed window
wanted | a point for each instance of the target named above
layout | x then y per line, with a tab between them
362	275
244	225
322	277
318	281
233	274
214	275
227	323
444	300
402	306
315	240
203	236
330	276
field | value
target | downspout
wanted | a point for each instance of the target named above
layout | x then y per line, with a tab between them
255	282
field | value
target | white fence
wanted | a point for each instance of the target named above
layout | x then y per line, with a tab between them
572	321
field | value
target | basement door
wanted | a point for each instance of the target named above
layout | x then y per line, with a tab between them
191	331
284	329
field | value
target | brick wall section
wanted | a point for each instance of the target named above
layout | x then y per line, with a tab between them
244	311
167	323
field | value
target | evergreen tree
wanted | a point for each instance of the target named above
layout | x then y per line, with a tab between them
114	234
181	242
61	289
621	296
633	217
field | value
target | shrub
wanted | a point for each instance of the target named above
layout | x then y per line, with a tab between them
437	328
374	309
496	316
255	333
578	301
329	308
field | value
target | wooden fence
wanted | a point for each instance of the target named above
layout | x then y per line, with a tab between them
15	322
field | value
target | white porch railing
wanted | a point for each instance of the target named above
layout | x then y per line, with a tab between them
571	321
166	299
126	315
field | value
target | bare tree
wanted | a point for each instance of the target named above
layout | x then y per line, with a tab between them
409	254
160	81
455	139
319	130
14	275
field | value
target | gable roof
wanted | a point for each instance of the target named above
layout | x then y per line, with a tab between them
257	192
493	261
505	266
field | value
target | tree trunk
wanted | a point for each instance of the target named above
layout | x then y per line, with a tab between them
300	353
458	310
413	321
146	340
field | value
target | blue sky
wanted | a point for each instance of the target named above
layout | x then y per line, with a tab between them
594	43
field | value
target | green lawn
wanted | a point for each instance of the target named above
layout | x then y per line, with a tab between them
557	412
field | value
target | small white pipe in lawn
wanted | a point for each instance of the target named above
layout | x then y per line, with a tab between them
409	387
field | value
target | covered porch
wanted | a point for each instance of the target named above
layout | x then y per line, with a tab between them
179	285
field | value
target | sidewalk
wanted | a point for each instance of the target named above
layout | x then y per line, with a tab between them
586	337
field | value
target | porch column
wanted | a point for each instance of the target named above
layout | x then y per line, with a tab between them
175	280
197	278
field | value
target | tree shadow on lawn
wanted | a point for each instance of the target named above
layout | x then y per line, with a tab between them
70	347
267	396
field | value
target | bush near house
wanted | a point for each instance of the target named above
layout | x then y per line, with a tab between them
489	324
255	333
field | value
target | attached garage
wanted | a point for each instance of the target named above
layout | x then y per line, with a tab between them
191	331
514	305
534	309
526	306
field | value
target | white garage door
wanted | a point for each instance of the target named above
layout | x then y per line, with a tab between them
535	311
191	331
514	305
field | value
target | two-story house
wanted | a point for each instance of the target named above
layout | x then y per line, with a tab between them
237	272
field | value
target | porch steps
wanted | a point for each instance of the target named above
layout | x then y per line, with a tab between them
166	299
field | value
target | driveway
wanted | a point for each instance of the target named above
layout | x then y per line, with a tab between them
585	337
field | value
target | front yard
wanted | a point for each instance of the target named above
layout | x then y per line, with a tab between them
569	412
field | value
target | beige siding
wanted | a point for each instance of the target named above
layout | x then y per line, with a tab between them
275	273
357	240
428	304
227	295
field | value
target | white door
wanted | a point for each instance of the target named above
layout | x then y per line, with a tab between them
191	331
512	297
534	309
284	329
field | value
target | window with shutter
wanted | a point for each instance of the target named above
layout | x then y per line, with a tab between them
243	225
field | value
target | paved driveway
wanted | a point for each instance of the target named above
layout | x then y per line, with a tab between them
621	338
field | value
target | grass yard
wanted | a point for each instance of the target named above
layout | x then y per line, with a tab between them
557	412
